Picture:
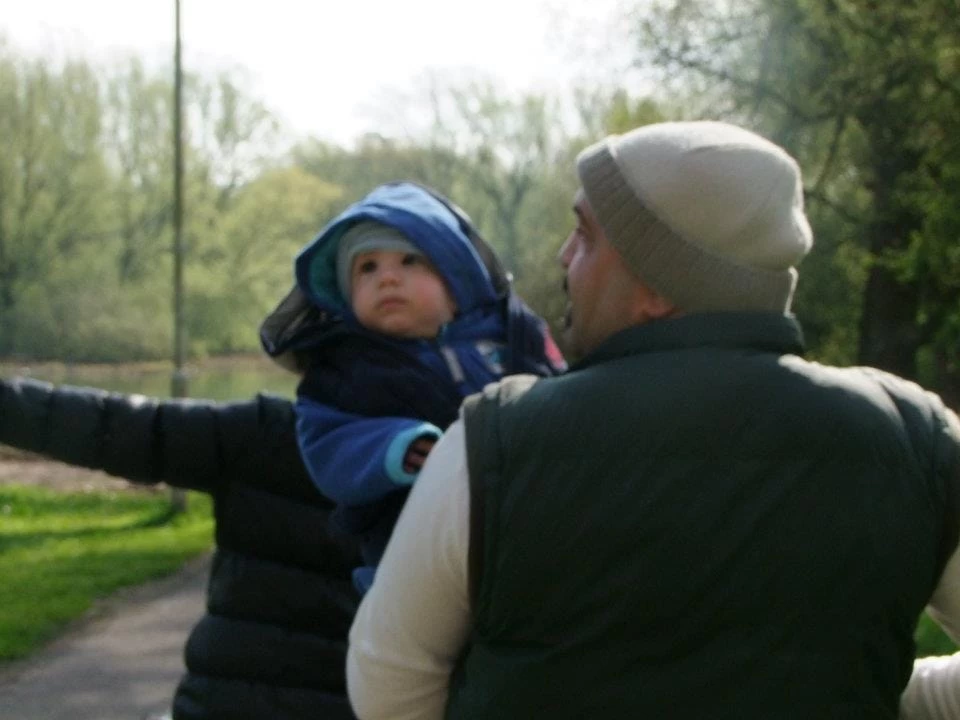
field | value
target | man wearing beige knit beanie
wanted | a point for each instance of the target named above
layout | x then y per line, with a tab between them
695	521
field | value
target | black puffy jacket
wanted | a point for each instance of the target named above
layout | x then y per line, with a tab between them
273	641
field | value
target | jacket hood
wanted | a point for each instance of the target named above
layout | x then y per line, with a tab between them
425	221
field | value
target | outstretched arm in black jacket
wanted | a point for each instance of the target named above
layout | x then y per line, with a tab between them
279	600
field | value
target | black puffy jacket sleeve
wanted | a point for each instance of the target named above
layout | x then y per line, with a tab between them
195	444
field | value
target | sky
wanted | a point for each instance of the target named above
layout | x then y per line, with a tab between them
328	67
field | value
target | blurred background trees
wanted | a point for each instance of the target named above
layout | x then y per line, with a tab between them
865	95
85	200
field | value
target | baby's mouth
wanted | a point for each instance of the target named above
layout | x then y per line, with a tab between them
390	302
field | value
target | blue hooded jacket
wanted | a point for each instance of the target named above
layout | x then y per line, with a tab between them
366	397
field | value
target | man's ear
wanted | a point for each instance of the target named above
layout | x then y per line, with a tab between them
651	305
658	307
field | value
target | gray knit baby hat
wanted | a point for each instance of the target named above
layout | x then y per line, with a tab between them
708	214
362	237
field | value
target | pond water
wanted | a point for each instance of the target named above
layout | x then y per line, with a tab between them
236	378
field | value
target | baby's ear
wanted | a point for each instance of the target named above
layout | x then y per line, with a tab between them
452	304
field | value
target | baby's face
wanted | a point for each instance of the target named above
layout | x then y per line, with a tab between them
399	294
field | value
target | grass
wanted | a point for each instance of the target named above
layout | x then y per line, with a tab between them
61	551
931	640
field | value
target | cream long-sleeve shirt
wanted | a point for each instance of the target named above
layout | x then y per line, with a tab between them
414	621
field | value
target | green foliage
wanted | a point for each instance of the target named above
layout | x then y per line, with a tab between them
52	204
829	295
506	146
543	224
61	551
85	211
83	311
625	113
931	640
866	96
86	271
375	160
137	146
506	159
248	256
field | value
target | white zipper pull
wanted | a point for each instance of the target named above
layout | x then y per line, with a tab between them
453	363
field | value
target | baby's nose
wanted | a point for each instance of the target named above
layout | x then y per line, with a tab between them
389	275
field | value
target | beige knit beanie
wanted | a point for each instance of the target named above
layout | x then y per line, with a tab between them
708	214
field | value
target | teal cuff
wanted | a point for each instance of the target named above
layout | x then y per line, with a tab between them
393	462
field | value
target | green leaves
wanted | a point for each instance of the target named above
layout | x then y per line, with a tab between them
867	96
85	209
86	197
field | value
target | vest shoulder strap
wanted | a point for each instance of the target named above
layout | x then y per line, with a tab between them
481	416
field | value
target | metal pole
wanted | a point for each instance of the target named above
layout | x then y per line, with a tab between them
178	385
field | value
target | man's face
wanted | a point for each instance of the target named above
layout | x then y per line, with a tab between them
604	296
399	294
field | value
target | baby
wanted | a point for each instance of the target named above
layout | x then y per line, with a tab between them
416	313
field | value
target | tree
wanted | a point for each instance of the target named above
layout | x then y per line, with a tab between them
52	177
865	94
233	136
497	148
268	221
85	201
138	124
378	159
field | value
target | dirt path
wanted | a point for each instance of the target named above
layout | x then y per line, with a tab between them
123	660
26	470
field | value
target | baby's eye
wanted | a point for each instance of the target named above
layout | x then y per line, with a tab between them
412	259
367	266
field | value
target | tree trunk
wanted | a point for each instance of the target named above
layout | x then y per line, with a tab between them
948	381
889	336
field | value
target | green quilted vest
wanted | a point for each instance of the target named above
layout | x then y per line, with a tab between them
697	523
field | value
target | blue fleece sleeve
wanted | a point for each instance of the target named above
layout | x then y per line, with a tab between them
354	459
398	448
